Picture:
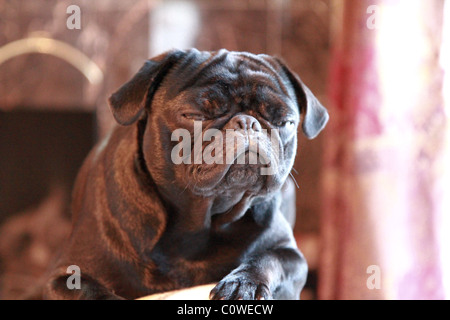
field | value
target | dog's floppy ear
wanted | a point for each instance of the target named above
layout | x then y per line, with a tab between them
128	103
314	115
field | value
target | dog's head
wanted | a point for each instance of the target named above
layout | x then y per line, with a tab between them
218	123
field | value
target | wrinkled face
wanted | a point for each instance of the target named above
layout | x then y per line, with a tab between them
232	127
217	128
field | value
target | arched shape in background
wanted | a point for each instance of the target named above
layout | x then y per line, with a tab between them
55	48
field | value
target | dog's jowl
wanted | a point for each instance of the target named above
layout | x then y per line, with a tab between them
221	212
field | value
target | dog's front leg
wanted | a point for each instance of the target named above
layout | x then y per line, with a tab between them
90	289
278	273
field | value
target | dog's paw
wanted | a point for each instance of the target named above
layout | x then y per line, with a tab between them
240	287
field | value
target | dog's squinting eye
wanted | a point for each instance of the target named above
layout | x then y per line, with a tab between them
194	116
285	124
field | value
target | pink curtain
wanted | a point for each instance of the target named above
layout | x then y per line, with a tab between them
385	179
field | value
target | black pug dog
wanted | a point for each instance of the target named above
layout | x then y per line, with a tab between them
144	222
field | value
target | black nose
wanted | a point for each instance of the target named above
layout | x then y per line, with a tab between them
245	122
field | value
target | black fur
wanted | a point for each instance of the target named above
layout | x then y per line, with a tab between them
143	225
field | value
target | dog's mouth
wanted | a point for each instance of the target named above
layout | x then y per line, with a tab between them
253	162
247	171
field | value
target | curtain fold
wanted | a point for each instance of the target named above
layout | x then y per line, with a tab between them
385	179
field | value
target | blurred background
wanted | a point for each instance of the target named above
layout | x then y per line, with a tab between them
373	202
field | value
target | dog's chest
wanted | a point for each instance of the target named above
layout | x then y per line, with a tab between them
198	258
